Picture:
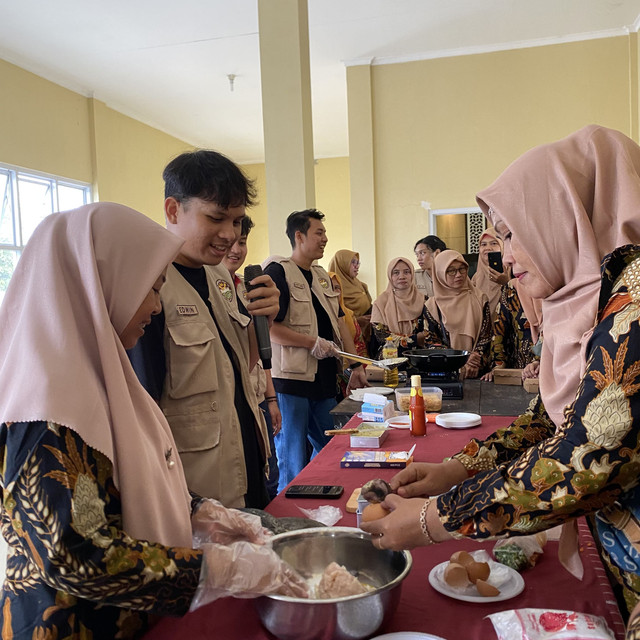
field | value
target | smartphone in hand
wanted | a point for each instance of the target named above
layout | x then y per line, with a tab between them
495	261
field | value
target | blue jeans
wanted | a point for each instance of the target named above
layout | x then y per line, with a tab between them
302	420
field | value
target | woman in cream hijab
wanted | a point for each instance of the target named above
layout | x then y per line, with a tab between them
486	279
398	311
569	215
458	314
96	510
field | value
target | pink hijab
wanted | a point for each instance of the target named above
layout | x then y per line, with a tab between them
568	204
462	309
398	309
481	278
81	278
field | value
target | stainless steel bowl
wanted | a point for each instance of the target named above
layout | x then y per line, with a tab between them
309	551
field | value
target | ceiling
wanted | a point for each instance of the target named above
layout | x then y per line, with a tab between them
167	63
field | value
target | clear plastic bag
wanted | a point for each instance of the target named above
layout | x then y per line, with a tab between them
549	624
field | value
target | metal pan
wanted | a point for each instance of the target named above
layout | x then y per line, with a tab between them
437	360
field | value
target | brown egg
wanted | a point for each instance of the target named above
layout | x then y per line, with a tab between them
462	557
478	571
487	590
373	512
455	575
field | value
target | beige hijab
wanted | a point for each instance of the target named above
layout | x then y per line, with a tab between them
82	276
462	309
398	309
354	292
568	204
481	278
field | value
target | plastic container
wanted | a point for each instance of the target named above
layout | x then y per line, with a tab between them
432	398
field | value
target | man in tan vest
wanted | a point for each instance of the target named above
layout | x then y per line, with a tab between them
426	249
304	337
192	359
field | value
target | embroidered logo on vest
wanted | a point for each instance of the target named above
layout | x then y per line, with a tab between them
323	283
298	285
225	289
187	309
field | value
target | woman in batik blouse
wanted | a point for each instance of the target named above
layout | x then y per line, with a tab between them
95	507
512	341
458	315
569	216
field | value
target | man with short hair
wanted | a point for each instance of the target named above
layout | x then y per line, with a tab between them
192	359
304	336
426	249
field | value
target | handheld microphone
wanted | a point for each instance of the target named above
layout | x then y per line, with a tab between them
260	323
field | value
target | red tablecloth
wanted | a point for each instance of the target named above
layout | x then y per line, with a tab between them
421	608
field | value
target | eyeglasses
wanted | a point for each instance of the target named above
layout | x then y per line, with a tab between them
461	270
355	262
419	254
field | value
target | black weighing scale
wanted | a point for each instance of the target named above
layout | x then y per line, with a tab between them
438	368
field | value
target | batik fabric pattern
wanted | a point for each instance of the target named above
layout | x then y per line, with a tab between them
511	342
72	572
531	476
436	335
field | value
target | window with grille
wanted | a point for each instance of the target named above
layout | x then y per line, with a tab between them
27	198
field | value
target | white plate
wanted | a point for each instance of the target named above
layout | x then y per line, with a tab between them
407	635
358	394
511	587
458	420
398	422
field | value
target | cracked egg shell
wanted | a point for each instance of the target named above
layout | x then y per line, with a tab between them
455	575
478	571
487	590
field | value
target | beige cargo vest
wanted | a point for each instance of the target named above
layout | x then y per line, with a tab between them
297	363
424	284
258	376
198	392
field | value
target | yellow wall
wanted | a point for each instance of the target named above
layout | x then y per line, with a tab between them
446	128
129	160
47	128
43	126
332	198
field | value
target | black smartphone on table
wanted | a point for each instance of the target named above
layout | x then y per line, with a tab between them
330	491
495	261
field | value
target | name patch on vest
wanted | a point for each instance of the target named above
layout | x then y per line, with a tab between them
187	309
298	285
225	289
323	283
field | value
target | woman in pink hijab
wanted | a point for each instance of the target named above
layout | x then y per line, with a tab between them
457	315
487	279
95	507
569	216
398	311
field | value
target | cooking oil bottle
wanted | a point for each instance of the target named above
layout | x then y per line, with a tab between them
390	350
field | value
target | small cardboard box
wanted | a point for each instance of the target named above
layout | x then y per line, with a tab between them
507	376
370	435
531	385
376	459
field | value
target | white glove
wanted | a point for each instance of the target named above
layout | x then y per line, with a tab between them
324	349
214	523
245	570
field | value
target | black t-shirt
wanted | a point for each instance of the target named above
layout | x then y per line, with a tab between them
325	381
148	360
